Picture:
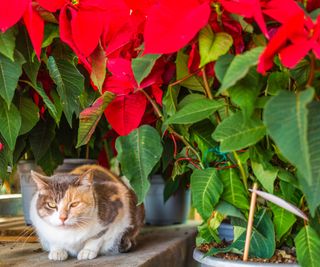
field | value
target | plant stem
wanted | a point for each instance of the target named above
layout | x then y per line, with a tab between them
184	78
170	128
250	222
242	172
206	83
312	70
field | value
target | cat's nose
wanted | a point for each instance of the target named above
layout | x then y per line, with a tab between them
63	217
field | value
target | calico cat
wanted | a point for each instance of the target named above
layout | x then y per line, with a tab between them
84	213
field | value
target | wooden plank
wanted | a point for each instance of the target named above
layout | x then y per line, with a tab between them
19	239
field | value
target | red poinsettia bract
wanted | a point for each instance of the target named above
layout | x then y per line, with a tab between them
11	12
171	25
297	35
125	112
247	9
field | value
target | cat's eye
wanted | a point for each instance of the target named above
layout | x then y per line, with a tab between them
74	204
51	205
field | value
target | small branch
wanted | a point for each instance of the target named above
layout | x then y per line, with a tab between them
154	105
87	151
250	222
312	70
170	129
242	172
184	78
206	84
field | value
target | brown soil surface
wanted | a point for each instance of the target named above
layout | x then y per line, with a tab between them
284	255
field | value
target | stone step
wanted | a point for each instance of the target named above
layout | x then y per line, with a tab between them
165	246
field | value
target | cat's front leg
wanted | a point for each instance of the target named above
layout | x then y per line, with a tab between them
58	254
90	249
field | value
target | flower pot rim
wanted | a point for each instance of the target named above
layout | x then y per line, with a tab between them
213	261
79	160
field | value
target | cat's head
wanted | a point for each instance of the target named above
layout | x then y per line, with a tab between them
65	200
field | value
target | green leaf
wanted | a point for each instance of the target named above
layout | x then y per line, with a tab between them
138	153
245	92
283	220
193	82
99	65
8	42
51	31
10	71
277	81
239	67
142	66
10	121
195	111
237	132
51	159
262	243
294	125
29	114
51	107
221	66
169	100
229	210
90	117
308	247
213	45
41	138
206	191
5	159
70	85
265	173
32	65
233	189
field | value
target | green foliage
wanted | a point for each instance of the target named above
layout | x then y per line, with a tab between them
90	117
10	121
237	132
308	247
195	111
213	45
138	153
239	67
142	66
206	191
30	115
70	85
8	43
298	117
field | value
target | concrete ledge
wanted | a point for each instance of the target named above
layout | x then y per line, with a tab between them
169	246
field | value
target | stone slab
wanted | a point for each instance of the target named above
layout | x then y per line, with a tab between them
166	246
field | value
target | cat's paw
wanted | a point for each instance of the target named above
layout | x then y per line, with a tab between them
58	255
87	254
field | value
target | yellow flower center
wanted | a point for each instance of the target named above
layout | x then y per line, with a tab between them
75	2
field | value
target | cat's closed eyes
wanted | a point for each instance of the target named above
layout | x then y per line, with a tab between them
85	213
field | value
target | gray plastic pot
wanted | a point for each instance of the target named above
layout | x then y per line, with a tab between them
175	210
10	205
218	262
28	187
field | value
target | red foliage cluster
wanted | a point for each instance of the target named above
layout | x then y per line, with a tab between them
126	29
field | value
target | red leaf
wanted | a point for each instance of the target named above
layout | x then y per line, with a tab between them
99	62
11	12
157	93
86	28
279	40
52	5
35	27
122	70
248	9
124	113
171	25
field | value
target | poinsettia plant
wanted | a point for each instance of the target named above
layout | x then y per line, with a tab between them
227	90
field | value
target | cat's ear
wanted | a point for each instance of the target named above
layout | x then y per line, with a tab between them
86	178
40	180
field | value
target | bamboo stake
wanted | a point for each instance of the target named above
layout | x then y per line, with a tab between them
250	222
